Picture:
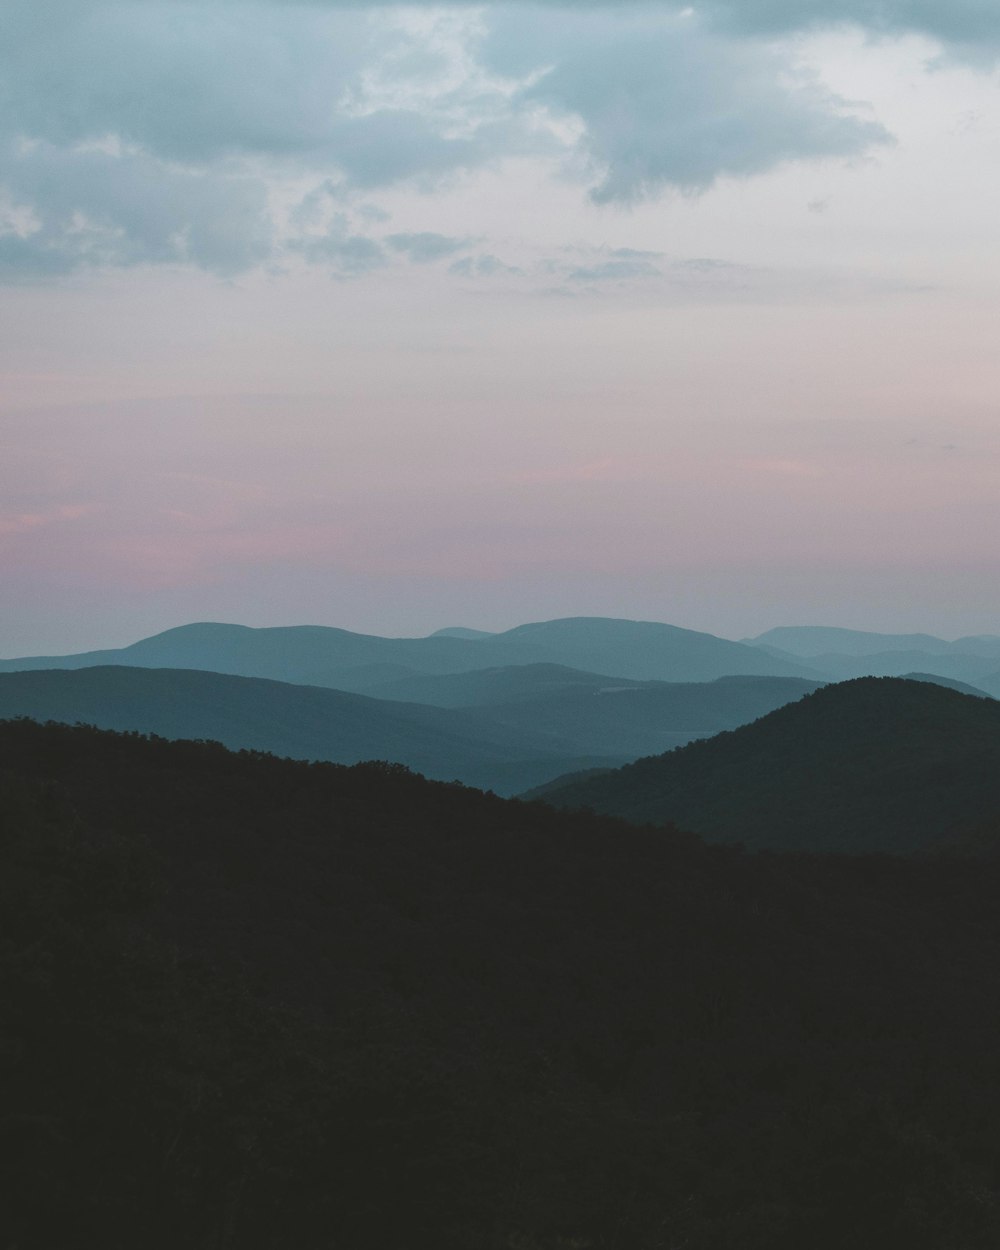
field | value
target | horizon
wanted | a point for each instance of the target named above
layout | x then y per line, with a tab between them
438	629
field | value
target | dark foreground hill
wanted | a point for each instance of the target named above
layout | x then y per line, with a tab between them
875	764
258	1004
306	722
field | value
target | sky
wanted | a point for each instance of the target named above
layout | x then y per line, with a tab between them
400	317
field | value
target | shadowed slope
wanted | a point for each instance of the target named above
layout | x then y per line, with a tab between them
877	764
259	1004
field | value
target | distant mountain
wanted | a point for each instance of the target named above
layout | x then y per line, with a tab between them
487	686
807	641
840	654
587	713
961	686
868	765
305	722
505	729
324	656
648	651
312	655
459	631
953	664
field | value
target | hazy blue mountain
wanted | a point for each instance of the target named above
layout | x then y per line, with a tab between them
324	656
459	631
867	765
955	665
304	722
510	684
841	654
648	650
505	729
308	654
961	686
587	713
806	641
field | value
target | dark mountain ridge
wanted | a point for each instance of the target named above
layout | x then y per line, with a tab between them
871	765
263	1004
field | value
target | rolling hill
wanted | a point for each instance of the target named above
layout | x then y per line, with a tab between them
871	765
305	722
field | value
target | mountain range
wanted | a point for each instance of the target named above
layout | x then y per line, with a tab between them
323	656
499	729
637	650
839	654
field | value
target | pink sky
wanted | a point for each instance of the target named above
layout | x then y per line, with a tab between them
481	397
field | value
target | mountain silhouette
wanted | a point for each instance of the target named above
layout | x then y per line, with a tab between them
875	764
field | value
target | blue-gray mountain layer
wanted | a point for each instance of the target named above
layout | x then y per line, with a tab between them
584	721
324	656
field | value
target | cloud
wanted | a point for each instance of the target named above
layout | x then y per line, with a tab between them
958	21
167	132
347	255
426	246
665	103
615	271
93	207
485	265
174	131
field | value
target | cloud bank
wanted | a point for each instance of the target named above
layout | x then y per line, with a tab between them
195	133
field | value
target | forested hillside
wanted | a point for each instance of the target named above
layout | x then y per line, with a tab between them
871	765
258	1004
